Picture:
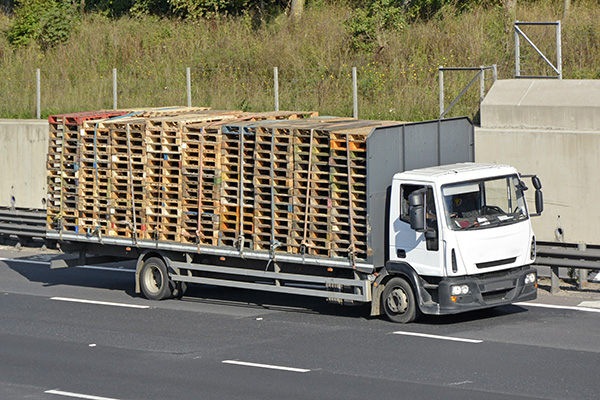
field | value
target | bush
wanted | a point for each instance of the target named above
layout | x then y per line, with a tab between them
46	22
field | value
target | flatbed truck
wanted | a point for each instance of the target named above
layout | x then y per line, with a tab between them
396	215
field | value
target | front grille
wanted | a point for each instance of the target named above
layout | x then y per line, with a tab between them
496	263
499	274
492	297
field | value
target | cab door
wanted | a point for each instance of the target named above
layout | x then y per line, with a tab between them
423	251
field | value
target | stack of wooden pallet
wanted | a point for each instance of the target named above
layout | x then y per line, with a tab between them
140	173
66	153
303	191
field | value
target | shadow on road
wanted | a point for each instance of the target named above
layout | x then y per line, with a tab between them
74	276
233	297
479	315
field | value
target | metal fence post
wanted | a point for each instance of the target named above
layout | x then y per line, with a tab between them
481	83
189	86
276	87
495	73
558	50
38	95
114	88
441	72
354	93
517	52
554	280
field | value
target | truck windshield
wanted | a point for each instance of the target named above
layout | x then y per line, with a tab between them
484	203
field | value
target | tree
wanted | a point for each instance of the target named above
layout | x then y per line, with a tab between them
46	22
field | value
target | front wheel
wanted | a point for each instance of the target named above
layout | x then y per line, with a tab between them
399	301
155	281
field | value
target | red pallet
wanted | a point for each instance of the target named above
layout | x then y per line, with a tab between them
79	117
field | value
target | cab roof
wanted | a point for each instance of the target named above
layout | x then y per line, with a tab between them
456	172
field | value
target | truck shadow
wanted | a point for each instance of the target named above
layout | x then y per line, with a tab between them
35	270
215	295
39	271
473	316
124	281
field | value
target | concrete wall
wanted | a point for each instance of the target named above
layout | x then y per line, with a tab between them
23	149
552	129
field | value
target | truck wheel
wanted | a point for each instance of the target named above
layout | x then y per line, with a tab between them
399	301
154	280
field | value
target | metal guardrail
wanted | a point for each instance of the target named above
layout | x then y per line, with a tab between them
23	223
562	255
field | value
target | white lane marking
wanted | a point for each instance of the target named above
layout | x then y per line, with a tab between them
592	304
459	383
267	366
77	266
102	303
77	395
575	308
426	335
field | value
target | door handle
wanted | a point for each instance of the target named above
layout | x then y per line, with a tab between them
401	253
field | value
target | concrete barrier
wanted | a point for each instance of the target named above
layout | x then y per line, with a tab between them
552	129
23	146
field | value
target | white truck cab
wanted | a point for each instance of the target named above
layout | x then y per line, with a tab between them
462	234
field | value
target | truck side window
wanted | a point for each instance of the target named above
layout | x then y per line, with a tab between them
405	191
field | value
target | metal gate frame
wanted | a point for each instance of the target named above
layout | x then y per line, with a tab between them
480	75
557	68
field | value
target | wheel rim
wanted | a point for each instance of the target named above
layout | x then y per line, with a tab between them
153	279
397	301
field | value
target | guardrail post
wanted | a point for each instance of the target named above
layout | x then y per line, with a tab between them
582	273
554	280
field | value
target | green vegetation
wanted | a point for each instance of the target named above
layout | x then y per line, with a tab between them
397	51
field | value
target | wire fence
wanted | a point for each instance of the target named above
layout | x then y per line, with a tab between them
367	92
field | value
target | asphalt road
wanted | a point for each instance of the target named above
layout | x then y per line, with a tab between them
232	344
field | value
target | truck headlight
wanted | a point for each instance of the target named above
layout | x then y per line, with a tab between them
530	278
459	289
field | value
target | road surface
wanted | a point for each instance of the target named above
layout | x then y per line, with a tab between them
83	333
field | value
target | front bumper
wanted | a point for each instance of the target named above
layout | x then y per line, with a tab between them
486	290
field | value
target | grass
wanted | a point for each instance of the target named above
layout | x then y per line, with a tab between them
232	62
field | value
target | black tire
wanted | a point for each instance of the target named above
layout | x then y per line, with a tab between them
399	301
155	281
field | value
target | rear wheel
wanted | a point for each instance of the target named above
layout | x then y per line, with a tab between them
399	301
155	281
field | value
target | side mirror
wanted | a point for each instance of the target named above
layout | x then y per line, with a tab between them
539	202
417	210
537	184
